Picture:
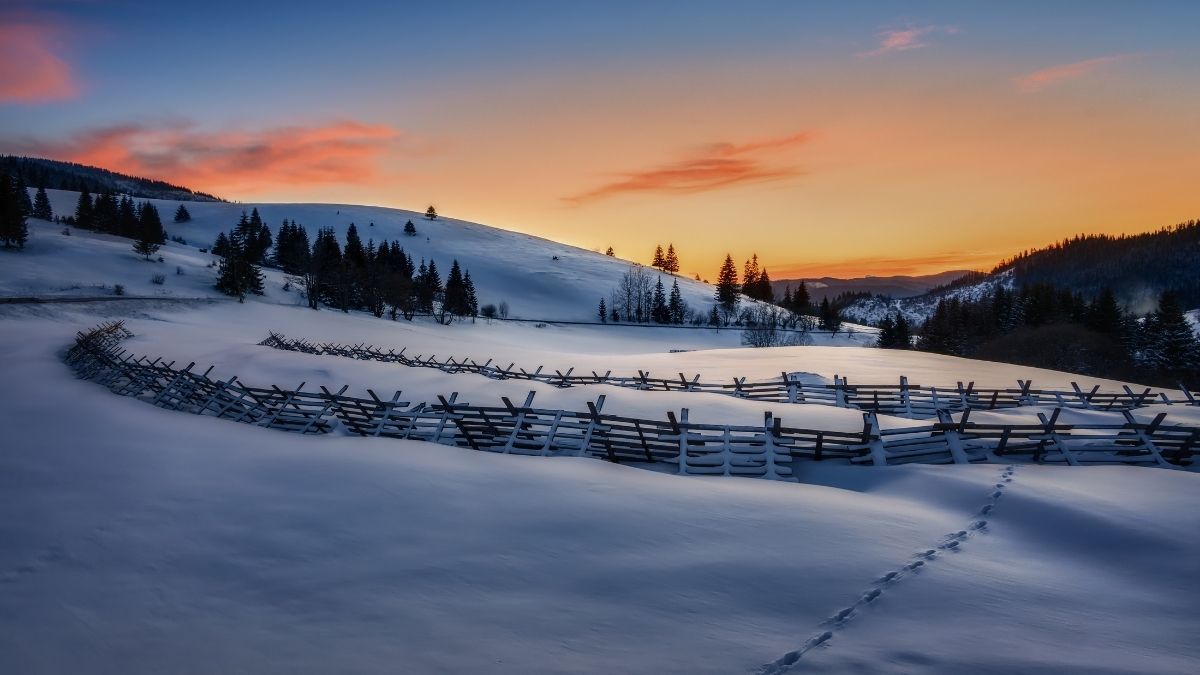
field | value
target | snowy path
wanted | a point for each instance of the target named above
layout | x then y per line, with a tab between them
951	543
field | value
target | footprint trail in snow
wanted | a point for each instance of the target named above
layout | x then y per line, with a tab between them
950	543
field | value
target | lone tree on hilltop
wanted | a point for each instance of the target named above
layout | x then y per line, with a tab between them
431	213
659	261
671	261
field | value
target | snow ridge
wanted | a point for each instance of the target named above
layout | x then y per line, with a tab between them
951	543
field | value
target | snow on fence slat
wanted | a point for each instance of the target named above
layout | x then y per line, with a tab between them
902	400
686	447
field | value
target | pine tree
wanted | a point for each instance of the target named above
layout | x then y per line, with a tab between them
455	302
887	333
431	213
41	205
829	316
83	211
221	245
750	276
1104	315
472	299
659	262
237	275
801	302
182	215
727	287
1173	346
13	229
602	312
354	253
23	196
150	234
410	229
676	308
671	261
714	319
659	312
127	218
903	337
762	289
610	252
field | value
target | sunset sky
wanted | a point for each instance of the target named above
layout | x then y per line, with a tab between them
830	138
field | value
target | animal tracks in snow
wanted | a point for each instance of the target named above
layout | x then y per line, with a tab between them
950	544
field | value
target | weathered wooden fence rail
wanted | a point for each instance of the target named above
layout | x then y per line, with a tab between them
677	444
901	400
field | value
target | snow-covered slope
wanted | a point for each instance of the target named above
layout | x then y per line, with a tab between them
538	278
917	309
140	540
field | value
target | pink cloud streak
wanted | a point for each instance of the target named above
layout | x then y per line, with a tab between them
30	70
1046	77
719	165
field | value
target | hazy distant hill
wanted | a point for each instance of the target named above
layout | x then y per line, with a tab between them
1136	267
57	175
895	286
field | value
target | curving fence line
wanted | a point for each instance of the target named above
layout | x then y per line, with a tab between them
899	400
674	444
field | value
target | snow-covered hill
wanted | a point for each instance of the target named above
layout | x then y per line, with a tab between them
917	309
538	278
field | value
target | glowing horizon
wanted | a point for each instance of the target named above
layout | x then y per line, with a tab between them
829	142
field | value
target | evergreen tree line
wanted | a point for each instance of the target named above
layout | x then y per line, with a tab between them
48	173
120	216
1161	260
1047	326
382	279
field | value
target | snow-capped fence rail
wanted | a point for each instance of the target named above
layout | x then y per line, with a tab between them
903	399
769	450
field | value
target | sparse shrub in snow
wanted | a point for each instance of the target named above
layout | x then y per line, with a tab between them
119	289
66	231
158	279
178	270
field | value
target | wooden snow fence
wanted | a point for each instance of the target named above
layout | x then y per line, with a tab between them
903	399
675	444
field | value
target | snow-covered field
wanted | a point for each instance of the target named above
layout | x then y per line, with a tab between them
140	540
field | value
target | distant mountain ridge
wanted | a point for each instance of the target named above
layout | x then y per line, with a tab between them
1136	267
898	286
53	174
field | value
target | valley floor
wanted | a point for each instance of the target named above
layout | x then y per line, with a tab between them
142	540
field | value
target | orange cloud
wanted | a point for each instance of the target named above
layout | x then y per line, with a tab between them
235	161
30	71
1040	79
906	38
721	165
